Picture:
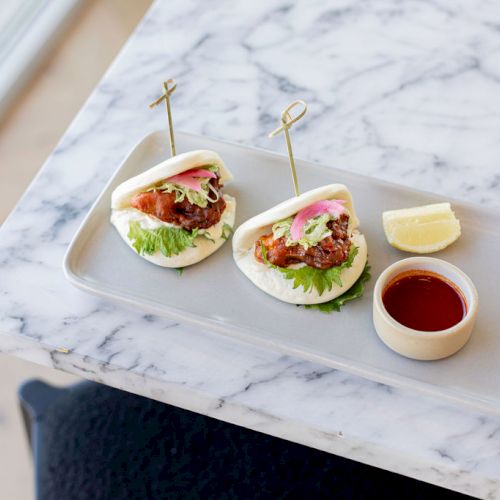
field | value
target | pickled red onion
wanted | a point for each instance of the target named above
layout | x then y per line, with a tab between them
192	178
333	207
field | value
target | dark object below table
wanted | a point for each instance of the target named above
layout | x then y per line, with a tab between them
91	441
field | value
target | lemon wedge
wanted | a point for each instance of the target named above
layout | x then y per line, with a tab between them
423	229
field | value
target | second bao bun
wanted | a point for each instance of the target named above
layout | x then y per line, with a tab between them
271	280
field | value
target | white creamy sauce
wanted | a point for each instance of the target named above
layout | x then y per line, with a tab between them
204	247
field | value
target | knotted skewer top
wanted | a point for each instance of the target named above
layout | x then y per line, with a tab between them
286	122
168	89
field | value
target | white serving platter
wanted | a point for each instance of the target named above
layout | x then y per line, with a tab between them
215	295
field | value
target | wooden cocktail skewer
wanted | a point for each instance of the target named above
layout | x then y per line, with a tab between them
286	122
167	92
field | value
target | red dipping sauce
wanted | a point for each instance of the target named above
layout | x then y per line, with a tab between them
424	301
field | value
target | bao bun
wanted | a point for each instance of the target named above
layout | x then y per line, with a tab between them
123	213
272	281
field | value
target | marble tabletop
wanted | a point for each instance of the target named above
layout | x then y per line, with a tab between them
404	91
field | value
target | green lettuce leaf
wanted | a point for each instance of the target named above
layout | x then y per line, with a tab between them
308	277
354	292
169	240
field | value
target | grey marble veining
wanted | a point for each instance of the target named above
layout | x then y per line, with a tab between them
404	91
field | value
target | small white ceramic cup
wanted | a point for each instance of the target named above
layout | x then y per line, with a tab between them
419	344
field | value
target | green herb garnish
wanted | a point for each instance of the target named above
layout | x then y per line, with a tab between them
354	292
309	277
227	231
168	240
206	234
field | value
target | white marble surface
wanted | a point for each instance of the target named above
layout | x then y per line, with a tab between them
405	91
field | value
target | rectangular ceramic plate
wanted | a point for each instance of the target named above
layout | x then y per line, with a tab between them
214	294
